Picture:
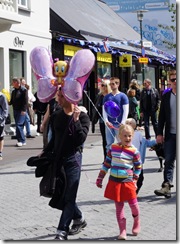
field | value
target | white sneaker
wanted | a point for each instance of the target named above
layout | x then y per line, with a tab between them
19	144
37	134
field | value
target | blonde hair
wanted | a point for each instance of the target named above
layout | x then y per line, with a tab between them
171	72
125	127
131	122
108	87
134	83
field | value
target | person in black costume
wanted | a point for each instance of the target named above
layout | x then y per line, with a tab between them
71	124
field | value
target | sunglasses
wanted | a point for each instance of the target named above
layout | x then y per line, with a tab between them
173	80
102	85
112	84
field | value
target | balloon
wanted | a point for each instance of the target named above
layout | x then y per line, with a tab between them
79	70
72	78
60	70
112	109
72	90
46	90
7	94
42	63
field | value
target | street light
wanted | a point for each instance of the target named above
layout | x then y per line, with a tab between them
140	14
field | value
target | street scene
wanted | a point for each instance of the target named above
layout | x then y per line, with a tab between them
88	120
25	216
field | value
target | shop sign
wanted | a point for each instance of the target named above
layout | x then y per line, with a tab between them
147	44
104	57
143	60
70	50
17	42
125	60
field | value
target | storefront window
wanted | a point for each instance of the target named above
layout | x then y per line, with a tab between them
104	70
149	73
16	61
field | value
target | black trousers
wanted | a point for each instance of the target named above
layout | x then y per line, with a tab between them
140	181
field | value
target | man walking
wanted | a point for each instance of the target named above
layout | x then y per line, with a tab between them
149	105
112	124
19	101
167	123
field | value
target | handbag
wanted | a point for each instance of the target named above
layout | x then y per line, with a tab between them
8	120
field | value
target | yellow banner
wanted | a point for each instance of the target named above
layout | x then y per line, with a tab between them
125	60
104	57
70	50
143	60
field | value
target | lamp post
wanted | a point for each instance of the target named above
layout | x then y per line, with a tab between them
140	14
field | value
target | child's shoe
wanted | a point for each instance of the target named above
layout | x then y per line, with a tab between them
136	226
122	226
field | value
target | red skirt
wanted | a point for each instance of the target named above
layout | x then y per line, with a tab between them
120	191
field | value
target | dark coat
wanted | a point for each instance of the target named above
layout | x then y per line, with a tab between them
155	100
97	110
164	119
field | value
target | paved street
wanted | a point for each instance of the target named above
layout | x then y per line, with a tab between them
25	216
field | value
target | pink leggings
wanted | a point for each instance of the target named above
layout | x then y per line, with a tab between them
133	203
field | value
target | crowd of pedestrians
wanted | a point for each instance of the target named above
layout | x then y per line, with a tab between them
124	147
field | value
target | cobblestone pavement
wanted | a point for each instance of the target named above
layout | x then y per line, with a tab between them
25	216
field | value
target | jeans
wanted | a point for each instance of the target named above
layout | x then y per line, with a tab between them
72	167
170	156
154	121
111	134
19	121
145	143
27	125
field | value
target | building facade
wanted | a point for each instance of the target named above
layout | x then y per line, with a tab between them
24	24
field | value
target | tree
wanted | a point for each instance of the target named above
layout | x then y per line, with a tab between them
172	10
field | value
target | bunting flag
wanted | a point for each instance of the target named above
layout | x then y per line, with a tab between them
105	45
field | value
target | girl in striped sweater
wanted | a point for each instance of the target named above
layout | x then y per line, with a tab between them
124	162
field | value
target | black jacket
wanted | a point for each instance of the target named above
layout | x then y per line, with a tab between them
155	100
76	135
164	119
19	99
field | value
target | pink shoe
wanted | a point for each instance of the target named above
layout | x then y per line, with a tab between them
136	226
122	226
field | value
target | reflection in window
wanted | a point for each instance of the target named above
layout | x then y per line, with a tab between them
15	64
104	70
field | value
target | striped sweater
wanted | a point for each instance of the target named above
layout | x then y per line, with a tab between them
124	163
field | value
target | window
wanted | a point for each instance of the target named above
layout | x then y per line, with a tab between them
23	3
16	61
104	70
